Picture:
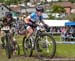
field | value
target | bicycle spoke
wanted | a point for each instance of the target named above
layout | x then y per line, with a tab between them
47	45
27	47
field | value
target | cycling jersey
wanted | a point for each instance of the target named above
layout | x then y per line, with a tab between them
35	18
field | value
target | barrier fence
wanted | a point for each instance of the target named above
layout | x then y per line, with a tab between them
65	42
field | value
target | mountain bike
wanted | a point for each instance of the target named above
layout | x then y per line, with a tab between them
9	45
40	43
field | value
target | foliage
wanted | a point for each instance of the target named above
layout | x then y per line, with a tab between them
26	0
73	1
60	0
1	1
51	17
71	17
57	9
8	2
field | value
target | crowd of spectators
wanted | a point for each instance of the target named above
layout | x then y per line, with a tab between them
67	32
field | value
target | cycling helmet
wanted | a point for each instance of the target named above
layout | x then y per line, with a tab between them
40	9
8	14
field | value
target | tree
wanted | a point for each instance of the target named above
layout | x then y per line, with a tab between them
1	1
8	2
71	17
73	1
60	0
58	9
51	17
26	0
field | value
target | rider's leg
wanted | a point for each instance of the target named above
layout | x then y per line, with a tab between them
3	43
12	37
30	31
13	41
2	39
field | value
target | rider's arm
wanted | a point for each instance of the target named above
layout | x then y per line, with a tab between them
26	20
45	25
41	19
4	21
42	22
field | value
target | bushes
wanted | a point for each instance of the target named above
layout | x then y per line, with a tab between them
71	17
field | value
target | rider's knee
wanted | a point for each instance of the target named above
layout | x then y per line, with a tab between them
30	30
2	34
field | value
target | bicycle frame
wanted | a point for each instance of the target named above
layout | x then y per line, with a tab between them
36	43
37	33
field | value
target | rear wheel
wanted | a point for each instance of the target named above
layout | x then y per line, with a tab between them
47	45
16	49
27	47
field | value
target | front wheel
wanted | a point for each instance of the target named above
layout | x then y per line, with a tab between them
47	45
8	51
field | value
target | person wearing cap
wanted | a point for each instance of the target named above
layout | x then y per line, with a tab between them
33	18
8	21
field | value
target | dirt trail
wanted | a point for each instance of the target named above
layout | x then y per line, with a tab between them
22	58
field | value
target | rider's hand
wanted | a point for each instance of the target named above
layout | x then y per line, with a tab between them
47	27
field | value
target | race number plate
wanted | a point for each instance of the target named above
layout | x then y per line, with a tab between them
6	28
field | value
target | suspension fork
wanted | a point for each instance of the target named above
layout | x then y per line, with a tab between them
36	42
7	37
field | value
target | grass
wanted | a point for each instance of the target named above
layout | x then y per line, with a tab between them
66	50
62	51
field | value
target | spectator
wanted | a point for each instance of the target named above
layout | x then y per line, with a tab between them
73	32
63	33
